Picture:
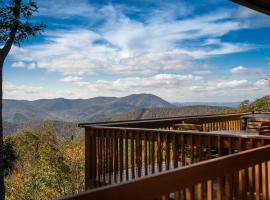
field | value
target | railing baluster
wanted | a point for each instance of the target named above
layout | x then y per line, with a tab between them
219	188
264	181
168	150
94	159
175	150
146	155
200	191
127	154
268	178
183	157
88	159
189	193
111	158
140	154
99	175
132	155
153	152
159	152
121	155
209	190
107	156
257	181
115	156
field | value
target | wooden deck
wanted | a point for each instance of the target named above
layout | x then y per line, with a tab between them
122	155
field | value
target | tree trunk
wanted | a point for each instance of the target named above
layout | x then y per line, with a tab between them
2	186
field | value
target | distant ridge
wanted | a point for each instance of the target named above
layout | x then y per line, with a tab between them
150	113
226	104
77	110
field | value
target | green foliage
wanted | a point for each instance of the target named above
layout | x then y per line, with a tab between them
262	104
46	167
25	28
259	105
9	155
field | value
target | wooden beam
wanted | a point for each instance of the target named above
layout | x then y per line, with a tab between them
262	6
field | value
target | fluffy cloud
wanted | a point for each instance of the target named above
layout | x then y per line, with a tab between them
70	79
172	87
21	91
244	70
21	64
125	45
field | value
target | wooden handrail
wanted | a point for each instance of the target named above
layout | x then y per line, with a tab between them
145	122
163	183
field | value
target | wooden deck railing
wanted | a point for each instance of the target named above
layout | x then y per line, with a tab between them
243	175
209	122
140	148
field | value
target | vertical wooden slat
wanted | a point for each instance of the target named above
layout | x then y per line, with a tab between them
257	181
168	151
183	162
88	159
132	155
93	159
200	191
175	150
190	193
99	160
107	154
264	181
219	188
177	195
153	152
104	154
268	179
228	187
251	182
241	184
146	154
121	154
191	149
110	156
126	154
159	151
209	189
115	152
140	155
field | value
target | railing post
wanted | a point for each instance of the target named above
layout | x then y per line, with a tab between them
90	161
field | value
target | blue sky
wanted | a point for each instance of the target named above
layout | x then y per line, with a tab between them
179	50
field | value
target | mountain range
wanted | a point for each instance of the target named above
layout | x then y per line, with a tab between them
63	114
77	110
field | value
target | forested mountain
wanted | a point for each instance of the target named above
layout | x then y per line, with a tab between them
64	114
149	113
77	110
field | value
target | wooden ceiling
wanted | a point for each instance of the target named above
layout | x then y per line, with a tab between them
259	5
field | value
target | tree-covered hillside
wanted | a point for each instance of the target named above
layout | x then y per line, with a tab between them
259	105
41	165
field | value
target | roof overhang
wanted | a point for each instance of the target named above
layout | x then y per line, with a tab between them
258	5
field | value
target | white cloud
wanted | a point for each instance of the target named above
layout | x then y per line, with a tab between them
202	72
19	64
21	91
125	45
70	79
233	84
245	70
239	70
262	82
172	87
